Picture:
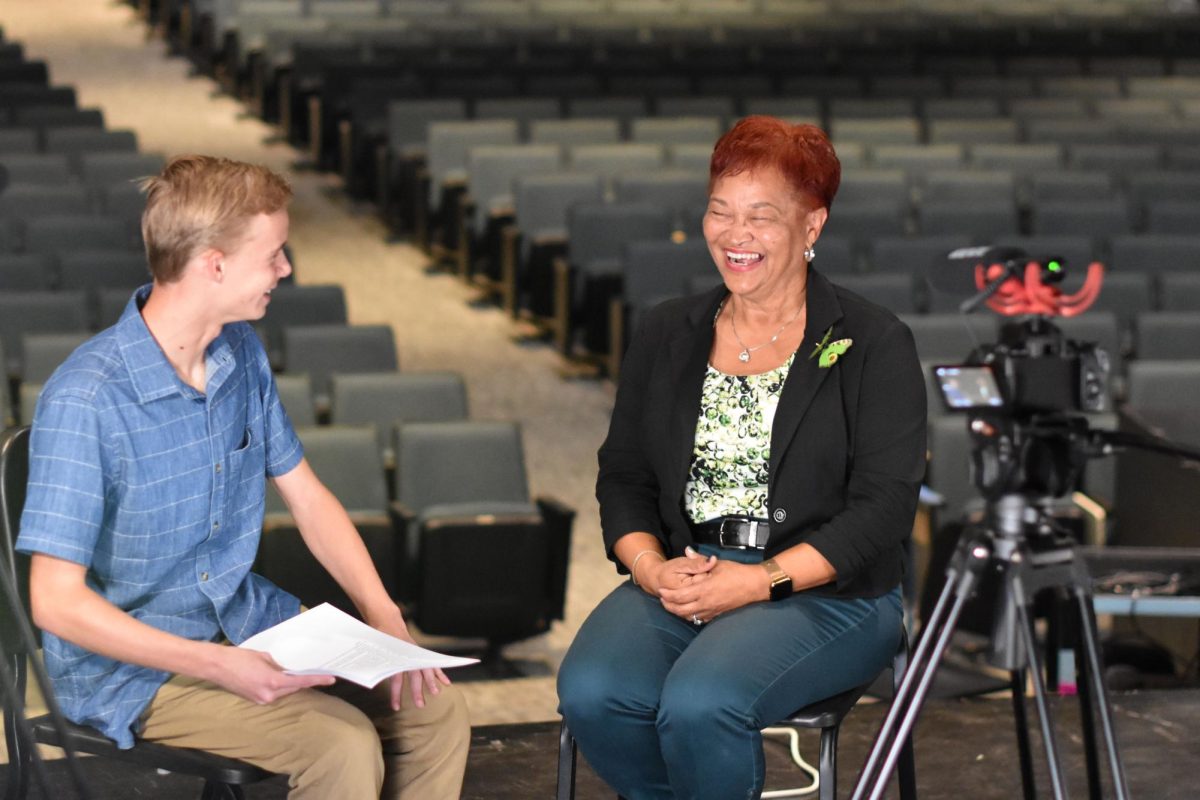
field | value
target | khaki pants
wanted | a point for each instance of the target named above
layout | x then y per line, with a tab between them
341	743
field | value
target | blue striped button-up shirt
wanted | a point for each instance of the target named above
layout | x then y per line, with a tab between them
158	490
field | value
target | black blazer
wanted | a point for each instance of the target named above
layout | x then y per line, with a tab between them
847	444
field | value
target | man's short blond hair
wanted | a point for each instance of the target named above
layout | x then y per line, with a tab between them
198	202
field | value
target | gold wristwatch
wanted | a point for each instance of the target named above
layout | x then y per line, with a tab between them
781	582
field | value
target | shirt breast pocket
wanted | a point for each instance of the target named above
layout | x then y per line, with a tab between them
245	481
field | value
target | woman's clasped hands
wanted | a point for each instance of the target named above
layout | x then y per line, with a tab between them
699	588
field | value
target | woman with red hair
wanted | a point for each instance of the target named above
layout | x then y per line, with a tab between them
758	483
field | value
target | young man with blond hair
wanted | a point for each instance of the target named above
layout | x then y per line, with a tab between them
150	452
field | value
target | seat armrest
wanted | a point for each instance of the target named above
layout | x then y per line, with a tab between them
558	518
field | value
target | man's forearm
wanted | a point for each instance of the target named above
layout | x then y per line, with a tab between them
334	541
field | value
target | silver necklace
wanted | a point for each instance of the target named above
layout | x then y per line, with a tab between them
744	355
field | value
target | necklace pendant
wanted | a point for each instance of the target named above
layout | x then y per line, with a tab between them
744	356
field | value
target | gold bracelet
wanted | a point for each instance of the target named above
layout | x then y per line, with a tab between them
637	558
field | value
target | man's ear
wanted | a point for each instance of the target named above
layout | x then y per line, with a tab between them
212	264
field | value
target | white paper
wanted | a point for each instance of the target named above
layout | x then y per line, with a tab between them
327	641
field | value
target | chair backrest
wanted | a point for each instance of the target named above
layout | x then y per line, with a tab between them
74	143
659	270
26	272
894	291
321	350
1179	291
673	189
575	131
676	130
29	200
1169	336
105	169
541	202
347	460
45	351
691	156
945	337
14	474
491	170
42	169
610	160
46	312
90	270
597	231
868	185
408	121
295	394
439	463
917	159
1169	386
967	185
61	233
522	109
448	142
385	399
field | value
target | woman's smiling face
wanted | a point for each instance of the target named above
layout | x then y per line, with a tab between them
757	228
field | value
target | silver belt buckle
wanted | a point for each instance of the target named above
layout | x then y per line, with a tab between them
732	542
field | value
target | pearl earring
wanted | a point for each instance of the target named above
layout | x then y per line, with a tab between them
810	254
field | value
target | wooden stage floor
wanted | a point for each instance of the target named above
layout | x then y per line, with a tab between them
965	748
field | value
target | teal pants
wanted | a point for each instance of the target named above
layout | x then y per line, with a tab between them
664	709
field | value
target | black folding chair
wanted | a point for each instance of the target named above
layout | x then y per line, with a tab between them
223	777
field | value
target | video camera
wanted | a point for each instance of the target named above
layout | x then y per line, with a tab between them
1025	393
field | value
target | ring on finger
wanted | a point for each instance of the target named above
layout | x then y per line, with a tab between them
696	620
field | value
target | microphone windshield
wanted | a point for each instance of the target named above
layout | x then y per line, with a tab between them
954	273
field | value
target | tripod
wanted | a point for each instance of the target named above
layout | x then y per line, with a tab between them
1001	546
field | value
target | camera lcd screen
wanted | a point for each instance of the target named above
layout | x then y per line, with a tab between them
967	388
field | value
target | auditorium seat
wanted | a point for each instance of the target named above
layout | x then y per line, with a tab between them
26	272
947	338
322	350
481	559
539	233
384	400
74	143
347	461
676	130
487	204
588	277
64	233
1179	291
24	313
295	394
1168	336
892	290
24	168
1154	252
565	132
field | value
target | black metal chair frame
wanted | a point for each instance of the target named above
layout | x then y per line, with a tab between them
826	715
223	777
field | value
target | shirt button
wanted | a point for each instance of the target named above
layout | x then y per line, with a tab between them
216	525
218	468
780	515
203	576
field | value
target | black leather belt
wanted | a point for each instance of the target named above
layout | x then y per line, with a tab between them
741	533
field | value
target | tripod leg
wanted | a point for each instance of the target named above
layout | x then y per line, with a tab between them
1095	675
1088	725
1024	752
969	562
1025	623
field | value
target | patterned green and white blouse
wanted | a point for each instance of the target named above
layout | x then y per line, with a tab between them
729	470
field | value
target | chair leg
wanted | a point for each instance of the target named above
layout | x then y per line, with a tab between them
566	764
828	762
